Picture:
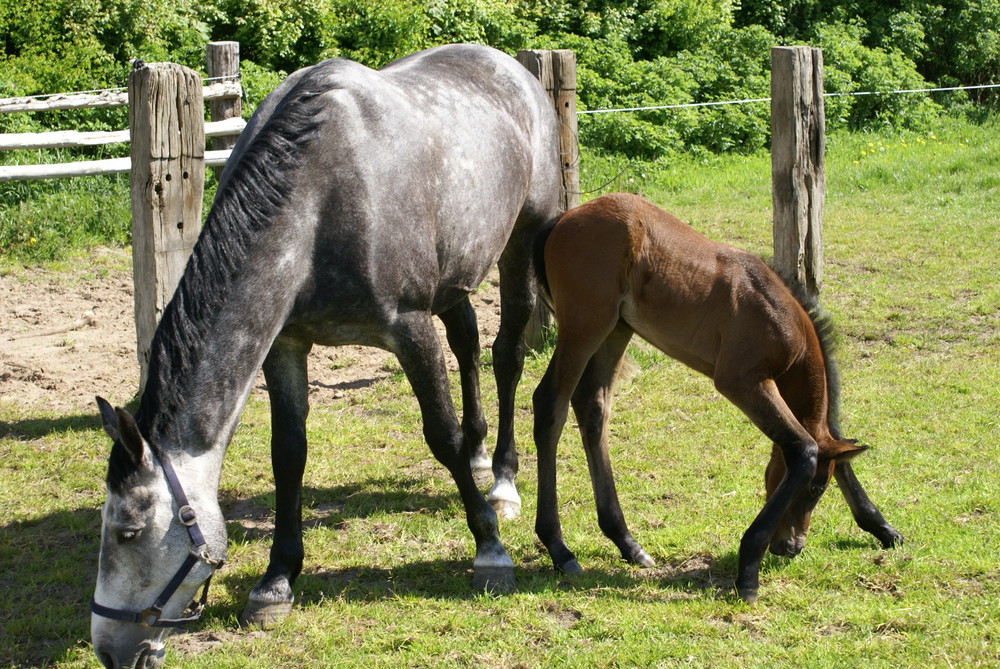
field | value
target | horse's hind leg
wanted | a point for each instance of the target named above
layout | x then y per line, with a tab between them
865	513
463	338
582	333
287	385
517	300
420	354
592	404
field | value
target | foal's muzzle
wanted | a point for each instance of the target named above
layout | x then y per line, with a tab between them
788	546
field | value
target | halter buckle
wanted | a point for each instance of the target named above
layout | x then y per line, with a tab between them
149	617
186	515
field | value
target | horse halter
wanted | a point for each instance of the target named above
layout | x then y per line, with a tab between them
150	617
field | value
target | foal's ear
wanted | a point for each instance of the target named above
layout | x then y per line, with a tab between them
121	427
848	449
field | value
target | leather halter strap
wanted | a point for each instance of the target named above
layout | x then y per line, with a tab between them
151	616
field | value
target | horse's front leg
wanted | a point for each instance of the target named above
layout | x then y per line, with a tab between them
420	355
517	301
287	385
762	403
866	514
463	338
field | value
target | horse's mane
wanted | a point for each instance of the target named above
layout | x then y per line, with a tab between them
825	332
255	190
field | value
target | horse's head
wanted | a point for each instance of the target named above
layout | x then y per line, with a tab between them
155	550
790	536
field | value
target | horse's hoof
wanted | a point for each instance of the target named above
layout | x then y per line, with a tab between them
264	615
748	595
506	509
891	539
570	566
505	500
642	558
494	580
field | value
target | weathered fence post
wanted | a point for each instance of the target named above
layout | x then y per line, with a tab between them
167	125
557	72
222	62
797	168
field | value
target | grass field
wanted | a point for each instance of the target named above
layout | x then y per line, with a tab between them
912	233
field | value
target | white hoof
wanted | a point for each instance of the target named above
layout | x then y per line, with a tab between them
505	500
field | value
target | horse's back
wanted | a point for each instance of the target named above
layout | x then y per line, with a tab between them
688	295
411	187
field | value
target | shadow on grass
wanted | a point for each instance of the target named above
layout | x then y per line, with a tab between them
47	572
37	428
48	567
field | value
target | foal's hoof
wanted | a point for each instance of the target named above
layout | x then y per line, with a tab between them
890	538
570	566
264	615
642	558
748	595
494	580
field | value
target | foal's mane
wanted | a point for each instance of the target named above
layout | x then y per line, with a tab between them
255	190
825	332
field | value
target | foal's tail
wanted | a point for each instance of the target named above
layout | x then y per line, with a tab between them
823	325
539	260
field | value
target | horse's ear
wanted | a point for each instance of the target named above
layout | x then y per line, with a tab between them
132	439
108	418
848	449
121	427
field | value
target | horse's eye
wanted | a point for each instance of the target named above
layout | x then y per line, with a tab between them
128	535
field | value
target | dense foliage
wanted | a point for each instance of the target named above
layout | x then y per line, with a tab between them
630	53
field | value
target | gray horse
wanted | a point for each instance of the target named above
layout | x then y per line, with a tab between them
356	205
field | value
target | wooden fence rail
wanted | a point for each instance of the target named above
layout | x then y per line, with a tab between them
223	91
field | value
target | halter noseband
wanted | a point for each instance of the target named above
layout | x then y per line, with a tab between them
150	617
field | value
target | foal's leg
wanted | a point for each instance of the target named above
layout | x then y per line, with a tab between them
517	300
463	338
865	513
419	353
287	385
581	334
761	402
592	404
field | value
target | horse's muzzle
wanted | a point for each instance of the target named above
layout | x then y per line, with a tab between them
788	546
147	655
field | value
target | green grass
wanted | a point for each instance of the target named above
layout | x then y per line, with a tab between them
911	235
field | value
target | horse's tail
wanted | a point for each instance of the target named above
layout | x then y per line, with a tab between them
825	333
539	260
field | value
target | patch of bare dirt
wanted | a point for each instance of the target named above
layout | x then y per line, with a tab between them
68	335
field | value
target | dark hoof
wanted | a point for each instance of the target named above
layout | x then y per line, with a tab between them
571	566
642	558
494	580
748	595
891	539
264	615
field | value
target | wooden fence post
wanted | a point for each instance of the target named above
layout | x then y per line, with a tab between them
557	72
167	126
222	62
797	167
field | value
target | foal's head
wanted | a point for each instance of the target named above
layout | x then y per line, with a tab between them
790	537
